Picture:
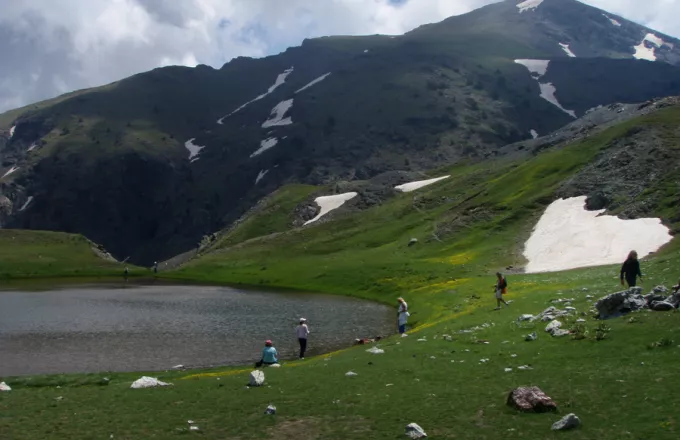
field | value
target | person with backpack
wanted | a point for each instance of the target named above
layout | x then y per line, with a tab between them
501	288
631	270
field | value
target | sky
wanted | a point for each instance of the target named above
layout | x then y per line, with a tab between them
50	47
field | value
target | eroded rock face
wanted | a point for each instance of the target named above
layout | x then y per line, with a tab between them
620	303
531	399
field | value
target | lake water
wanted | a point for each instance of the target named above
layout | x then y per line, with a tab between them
136	328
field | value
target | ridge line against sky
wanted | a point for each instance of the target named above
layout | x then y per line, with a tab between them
50	47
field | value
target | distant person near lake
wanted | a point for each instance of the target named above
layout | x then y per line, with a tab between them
269	355
631	270
501	288
302	332
402	316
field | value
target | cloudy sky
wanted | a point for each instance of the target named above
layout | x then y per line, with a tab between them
48	47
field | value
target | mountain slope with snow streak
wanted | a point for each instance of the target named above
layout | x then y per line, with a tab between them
330	203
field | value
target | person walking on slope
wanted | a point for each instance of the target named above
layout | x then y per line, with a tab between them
302	333
402	316
269	355
631	270
501	288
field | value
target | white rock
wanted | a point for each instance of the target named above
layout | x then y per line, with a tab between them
274	366
570	421
376	350
524	367
4	387
570	309
559	332
351	374
554	325
148	382
531	337
526	317
256	378
414	431
271	410
513	355
193	428
422	340
581	320
507	370
191	422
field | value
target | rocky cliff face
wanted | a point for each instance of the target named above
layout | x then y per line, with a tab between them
149	165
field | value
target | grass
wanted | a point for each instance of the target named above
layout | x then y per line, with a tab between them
42	254
617	378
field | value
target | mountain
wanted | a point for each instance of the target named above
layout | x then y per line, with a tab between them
151	164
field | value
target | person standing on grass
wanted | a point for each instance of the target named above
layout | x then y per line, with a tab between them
631	270
501	288
402	316
302	333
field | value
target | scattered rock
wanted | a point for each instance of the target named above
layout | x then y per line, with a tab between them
560	332
178	367
193	428
570	309
661	306
148	382
553	326
659	290
422	340
4	387
531	399
619	303
274	366
525	317
256	378
447	338
271	410
483	361
524	367
570	421
414	431
580	320
351	374
412	242
531	337
191	422
376	350
59	398
507	370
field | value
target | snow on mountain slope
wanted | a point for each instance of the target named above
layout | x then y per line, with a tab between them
612	21
265	145
538	68
277	115
10	171
644	51
316	81
331	203
567	50
412	186
260	176
194	150
529	5
280	80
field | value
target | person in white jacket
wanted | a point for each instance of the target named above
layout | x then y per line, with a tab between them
402	315
302	333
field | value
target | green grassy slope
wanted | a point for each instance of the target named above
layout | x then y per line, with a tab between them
31	254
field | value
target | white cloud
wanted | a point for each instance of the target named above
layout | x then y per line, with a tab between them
50	46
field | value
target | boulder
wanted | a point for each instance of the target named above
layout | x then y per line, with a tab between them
271	410
570	421
376	350
256	378
4	387
661	306
531	399
531	337
148	382
414	431
619	303
553	326
525	317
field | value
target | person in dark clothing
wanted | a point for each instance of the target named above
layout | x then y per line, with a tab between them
631	270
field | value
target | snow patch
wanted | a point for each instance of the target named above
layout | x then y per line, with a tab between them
265	145
194	150
260	176
11	170
536	67
534	134
568	237
32	147
25	205
647	52
316	81
5	387
330	203
412	186
148	382
565	48
280	80
548	93
529	5
612	21
277	114
365	50
11	131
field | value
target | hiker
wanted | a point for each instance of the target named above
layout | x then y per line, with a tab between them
155	267
501	288
269	355
402	316
631	270
302	334
126	273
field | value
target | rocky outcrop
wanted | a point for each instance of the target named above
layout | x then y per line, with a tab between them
620	303
531	399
